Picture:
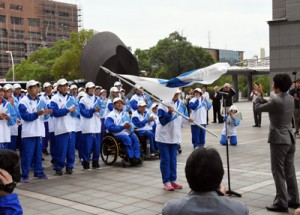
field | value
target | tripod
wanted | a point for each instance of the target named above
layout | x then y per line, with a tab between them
229	192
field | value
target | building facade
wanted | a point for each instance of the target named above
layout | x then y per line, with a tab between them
284	35
222	55
27	25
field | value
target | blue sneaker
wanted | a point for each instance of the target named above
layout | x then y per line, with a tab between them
24	180
40	175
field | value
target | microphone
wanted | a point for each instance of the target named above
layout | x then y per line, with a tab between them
223	93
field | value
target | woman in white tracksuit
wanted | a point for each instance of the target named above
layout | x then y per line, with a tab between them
167	137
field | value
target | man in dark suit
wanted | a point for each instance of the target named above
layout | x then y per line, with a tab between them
227	94
282	144
216	103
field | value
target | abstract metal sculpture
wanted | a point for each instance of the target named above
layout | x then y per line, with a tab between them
107	50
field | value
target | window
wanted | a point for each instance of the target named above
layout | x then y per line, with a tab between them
64	14
17	20
2	19
48	11
2	5
16	7
18	34
3	32
64	26
34	35
34	22
49	24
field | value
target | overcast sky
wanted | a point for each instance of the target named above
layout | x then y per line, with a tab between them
233	24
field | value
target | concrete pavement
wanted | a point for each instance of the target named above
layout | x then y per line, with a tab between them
138	190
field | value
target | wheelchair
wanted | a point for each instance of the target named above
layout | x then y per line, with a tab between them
111	149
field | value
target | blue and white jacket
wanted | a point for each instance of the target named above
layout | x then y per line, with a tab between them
140	121
32	123
232	123
90	120
199	109
5	124
136	98
64	120
115	121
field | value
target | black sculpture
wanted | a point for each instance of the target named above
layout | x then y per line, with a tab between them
107	50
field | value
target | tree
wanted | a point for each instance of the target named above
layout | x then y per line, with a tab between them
49	64
172	56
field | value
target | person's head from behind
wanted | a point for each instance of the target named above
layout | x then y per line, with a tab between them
9	161
281	83
204	170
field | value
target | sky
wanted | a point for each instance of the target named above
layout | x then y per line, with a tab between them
239	25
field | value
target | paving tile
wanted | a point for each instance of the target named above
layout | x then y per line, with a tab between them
115	190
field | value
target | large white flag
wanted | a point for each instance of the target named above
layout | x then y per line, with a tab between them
165	89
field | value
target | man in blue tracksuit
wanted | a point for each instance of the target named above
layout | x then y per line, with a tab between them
46	96
199	106
90	111
143	123
33	112
65	109
139	96
14	115
6	121
119	124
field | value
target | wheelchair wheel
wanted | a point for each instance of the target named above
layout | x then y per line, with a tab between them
109	150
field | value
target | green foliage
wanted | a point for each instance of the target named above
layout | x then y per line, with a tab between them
49	64
172	56
264	80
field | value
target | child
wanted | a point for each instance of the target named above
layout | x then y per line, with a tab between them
232	122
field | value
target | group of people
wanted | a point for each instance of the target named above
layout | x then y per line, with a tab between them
71	118
65	112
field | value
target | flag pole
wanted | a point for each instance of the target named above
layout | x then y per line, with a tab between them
159	101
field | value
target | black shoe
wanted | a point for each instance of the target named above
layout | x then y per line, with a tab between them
259	126
294	205
59	172
86	166
179	149
96	165
213	122
69	171
255	126
276	208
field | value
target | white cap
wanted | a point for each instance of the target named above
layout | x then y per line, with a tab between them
117	83
80	89
136	86
55	85
62	82
103	90
178	91
154	104
117	99
226	85
46	84
198	90
114	89
233	108
23	91
54	89
7	87
122	90
32	83
89	85
98	87
142	103
81	94
16	86
73	86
